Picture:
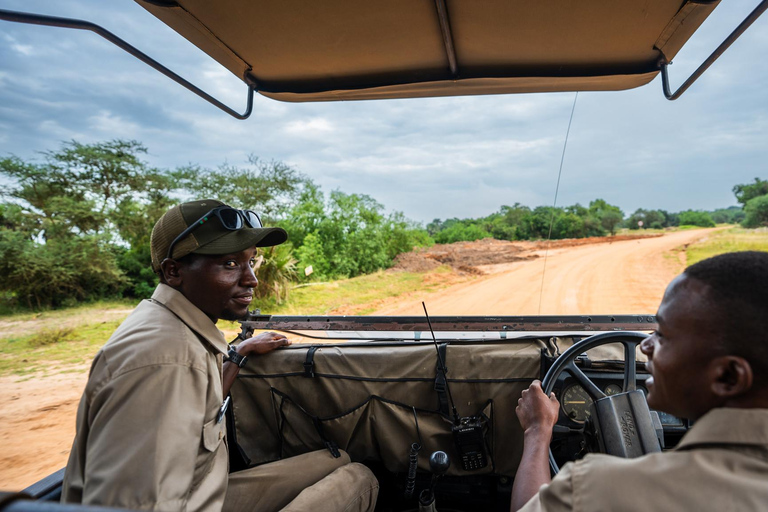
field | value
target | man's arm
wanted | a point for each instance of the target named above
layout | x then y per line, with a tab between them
144	431
537	414
261	344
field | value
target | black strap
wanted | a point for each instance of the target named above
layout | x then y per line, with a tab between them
330	445
440	382
309	362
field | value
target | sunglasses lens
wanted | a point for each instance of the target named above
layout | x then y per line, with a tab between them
230	218
252	218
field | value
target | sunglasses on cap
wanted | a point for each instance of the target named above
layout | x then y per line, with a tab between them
230	218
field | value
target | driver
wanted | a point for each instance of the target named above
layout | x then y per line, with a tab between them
708	362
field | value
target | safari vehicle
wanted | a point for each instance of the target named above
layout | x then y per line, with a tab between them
428	404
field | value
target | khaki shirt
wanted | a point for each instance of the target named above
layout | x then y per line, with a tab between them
147	435
721	465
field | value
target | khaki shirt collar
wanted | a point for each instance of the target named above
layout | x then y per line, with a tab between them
728	426
198	321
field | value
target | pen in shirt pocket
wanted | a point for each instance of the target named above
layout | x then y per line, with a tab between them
222	410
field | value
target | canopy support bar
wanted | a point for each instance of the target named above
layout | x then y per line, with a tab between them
54	21
445	28
756	13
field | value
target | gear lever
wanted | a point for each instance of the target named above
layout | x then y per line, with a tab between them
439	462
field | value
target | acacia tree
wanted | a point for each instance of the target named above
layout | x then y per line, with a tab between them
72	220
745	192
270	188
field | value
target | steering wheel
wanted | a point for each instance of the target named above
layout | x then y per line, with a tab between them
567	363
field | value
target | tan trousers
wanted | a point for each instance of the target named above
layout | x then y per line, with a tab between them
313	481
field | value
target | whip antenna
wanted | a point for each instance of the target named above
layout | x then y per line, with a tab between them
441	364
554	204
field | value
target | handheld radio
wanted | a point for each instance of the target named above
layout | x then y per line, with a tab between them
468	432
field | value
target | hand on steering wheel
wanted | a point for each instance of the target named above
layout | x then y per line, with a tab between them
567	362
535	410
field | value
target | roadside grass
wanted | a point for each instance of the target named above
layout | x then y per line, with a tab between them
53	349
729	240
357	296
10	315
60	340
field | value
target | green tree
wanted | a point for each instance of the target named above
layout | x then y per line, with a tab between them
696	218
81	206
730	215
744	193
347	234
461	232
756	211
609	216
270	188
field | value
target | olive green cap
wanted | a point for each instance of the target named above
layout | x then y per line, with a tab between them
210	238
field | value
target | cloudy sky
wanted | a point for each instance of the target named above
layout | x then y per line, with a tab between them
429	158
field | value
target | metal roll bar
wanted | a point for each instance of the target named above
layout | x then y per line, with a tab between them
55	21
663	62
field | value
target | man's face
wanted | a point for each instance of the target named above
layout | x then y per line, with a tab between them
681	350
220	286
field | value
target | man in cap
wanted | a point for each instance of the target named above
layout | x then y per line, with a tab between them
708	362
151	426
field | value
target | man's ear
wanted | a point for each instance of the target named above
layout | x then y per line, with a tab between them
171	270
733	376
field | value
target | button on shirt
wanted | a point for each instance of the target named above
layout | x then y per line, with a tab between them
147	430
721	464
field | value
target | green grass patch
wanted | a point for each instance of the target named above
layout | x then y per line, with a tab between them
19	314
730	240
54	341
53	349
321	299
362	294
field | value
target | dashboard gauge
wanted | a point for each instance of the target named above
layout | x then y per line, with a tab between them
669	420
612	389
575	402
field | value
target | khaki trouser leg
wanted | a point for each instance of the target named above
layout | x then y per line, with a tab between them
270	487
351	488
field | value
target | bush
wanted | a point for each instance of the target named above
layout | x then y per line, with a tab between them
756	211
57	272
461	232
696	218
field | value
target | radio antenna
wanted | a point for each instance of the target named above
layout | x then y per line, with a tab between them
441	363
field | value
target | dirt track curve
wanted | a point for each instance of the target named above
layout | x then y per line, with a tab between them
620	277
38	413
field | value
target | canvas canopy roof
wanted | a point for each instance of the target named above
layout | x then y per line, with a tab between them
298	50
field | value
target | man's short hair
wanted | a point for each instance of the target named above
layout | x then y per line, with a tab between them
738	290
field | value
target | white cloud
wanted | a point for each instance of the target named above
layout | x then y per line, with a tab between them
312	127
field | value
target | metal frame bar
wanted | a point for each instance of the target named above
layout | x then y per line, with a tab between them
55	21
663	63
445	28
453	323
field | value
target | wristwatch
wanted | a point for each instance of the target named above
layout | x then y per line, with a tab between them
236	358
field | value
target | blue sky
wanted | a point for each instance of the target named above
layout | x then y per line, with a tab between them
429	158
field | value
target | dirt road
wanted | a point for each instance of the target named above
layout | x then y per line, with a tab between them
38	414
619	277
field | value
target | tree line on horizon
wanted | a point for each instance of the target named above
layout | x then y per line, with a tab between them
75	226
520	222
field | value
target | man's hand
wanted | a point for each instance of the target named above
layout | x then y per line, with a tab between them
535	410
537	413
259	344
262	343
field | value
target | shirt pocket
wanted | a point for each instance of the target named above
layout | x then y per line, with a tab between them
213	433
212	436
